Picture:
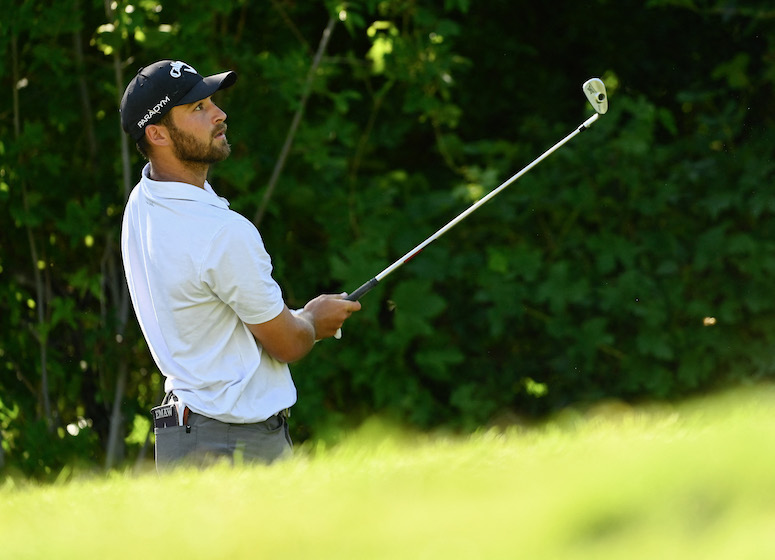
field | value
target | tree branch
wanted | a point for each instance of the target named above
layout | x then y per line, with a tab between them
114	448
295	123
40	292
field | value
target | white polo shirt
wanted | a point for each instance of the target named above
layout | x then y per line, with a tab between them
197	272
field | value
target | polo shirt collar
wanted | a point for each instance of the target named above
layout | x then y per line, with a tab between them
180	191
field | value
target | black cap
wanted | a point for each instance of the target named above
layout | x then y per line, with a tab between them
159	87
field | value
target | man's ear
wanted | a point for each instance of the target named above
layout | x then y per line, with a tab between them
157	135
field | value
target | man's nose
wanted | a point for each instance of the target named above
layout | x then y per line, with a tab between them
218	114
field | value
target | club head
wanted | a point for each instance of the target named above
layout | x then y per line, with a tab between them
594	89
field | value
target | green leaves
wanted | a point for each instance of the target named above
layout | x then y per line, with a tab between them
637	261
415	305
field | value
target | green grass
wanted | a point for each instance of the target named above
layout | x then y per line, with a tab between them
690	481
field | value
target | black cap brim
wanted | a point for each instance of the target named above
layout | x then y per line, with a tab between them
208	86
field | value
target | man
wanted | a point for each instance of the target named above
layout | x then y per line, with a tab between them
201	285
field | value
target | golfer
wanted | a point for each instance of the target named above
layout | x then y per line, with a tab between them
201	283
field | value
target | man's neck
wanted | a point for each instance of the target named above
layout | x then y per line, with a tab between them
191	173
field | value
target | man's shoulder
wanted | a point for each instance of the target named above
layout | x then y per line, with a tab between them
234	224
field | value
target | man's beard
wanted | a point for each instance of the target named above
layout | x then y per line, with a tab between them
188	148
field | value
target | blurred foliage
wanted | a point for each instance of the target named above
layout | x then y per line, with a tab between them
690	481
634	263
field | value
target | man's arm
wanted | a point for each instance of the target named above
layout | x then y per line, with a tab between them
291	335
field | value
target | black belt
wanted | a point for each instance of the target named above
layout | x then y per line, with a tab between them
284	413
166	414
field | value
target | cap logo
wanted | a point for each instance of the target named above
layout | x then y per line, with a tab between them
153	111
177	66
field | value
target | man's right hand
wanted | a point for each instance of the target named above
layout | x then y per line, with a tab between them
328	313
291	335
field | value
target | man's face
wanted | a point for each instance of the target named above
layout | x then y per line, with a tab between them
198	133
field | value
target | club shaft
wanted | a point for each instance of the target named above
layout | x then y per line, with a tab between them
370	284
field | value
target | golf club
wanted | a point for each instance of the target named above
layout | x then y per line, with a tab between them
594	89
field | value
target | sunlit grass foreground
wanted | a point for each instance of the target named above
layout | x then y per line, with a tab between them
689	481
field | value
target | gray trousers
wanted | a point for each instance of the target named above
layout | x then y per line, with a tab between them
205	441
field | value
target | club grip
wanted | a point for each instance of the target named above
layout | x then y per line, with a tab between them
360	292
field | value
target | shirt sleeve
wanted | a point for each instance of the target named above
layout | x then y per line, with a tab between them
237	268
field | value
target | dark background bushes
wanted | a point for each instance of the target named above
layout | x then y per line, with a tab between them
635	263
